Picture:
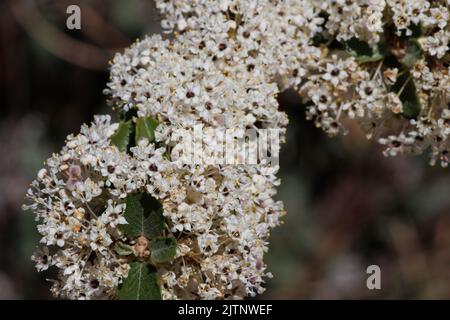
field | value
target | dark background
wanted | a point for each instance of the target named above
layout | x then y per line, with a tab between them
348	206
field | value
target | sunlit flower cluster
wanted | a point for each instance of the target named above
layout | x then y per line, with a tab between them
223	214
221	218
77	202
383	64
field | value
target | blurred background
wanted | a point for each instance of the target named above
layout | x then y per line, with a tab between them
348	206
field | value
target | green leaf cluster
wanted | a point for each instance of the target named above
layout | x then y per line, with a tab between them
144	215
382	53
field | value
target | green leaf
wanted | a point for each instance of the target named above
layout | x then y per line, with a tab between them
145	128
121	137
408	95
123	249
413	53
415	31
163	249
144	216
142	283
362	51
318	39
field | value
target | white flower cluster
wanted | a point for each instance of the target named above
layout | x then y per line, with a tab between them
224	213
165	81
396	88
77	201
381	63
248	39
221	217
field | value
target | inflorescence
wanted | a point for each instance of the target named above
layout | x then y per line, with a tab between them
382	64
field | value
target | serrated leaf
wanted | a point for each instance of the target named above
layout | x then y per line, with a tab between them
362	51
408	96
142	283
145	128
144	216
163	249
121	137
413	53
123	249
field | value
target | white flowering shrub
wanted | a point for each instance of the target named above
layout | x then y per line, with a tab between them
120	217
